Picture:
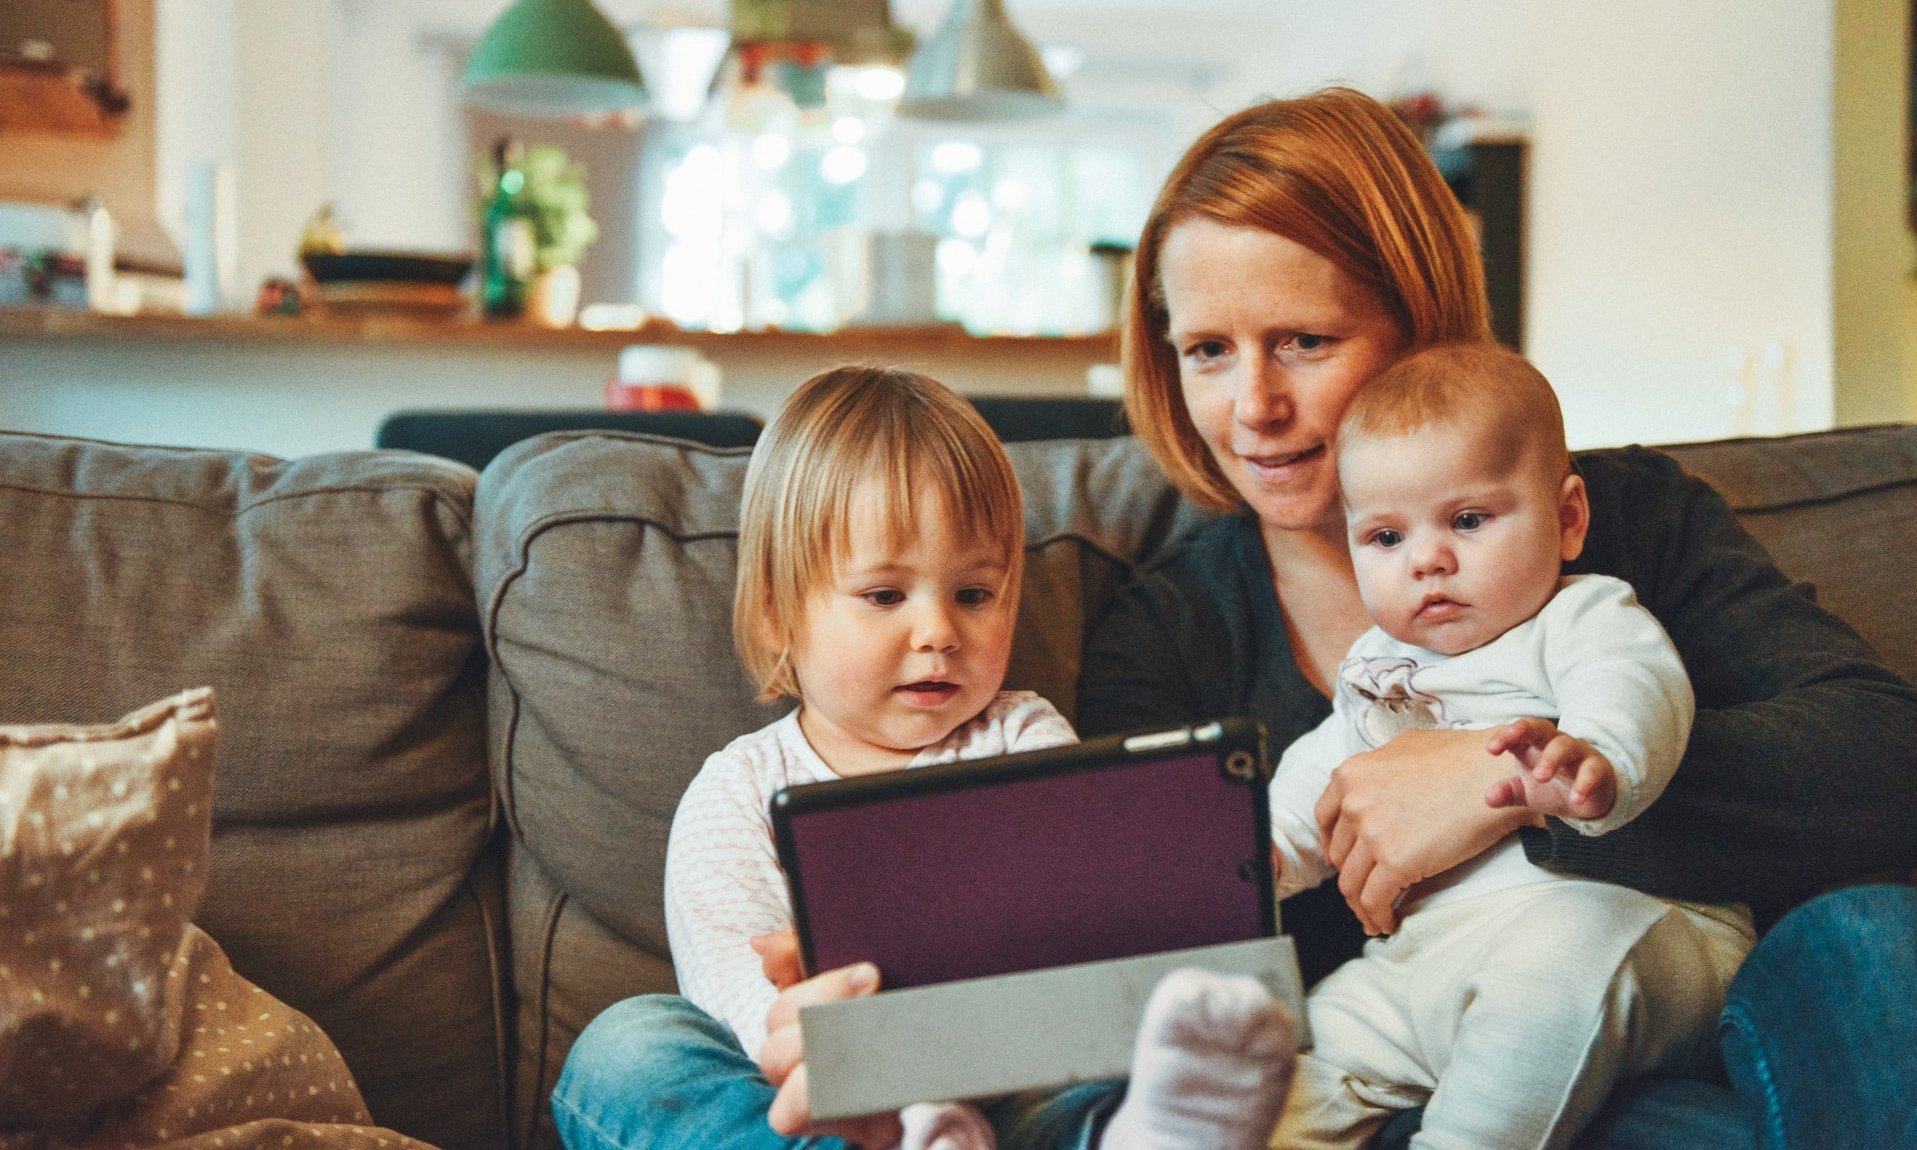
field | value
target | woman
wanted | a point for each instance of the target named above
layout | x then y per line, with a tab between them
1298	248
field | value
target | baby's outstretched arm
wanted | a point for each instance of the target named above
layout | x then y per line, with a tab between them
1558	774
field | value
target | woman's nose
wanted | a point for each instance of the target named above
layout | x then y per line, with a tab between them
1264	394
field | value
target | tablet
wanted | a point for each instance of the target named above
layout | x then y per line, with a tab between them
1119	846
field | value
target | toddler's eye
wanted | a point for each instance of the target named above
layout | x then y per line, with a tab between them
1386	538
1470	520
884	597
975	596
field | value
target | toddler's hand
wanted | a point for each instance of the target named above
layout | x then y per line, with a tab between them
1558	774
779	957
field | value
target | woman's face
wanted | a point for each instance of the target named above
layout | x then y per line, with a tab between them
1272	341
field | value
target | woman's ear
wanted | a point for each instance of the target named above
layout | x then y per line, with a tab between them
1574	517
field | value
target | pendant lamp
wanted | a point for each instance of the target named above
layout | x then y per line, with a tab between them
552	58
977	67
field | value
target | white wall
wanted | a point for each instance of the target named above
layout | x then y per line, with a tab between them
1681	276
1700	217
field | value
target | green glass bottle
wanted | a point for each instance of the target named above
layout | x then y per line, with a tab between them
506	239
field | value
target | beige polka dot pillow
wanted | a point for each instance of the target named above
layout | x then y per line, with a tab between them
121	1023
103	845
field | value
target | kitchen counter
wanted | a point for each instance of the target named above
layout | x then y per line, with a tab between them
400	330
299	385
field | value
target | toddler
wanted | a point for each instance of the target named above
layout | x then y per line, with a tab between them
881	543
1511	998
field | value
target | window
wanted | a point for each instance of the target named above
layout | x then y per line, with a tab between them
765	214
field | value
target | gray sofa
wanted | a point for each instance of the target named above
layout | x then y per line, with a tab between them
457	710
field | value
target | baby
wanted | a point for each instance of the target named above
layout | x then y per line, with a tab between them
1511	998
880	548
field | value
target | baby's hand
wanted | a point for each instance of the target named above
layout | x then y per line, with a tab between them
1558	774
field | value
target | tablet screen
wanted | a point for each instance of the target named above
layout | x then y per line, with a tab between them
1077	854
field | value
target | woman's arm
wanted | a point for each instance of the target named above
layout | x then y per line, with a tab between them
1801	772
1137	670
1198	636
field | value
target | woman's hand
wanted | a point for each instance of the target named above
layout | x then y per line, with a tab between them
782	1058
1410	809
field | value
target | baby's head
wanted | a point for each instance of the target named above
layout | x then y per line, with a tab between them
1460	499
881	540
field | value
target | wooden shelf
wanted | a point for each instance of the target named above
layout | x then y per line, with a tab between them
42	102
406	332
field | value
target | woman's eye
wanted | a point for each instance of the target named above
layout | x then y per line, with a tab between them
1386	538
884	597
1470	520
1206	349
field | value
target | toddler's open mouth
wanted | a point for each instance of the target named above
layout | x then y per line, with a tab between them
928	692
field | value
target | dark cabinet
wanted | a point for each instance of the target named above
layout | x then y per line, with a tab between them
1488	178
59	67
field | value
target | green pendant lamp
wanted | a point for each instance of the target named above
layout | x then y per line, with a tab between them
978	67
552	58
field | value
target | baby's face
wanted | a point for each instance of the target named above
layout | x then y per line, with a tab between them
1454	541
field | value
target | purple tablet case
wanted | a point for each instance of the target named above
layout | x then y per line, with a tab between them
1119	846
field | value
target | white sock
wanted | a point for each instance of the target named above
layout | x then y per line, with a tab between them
1210	1069
945	1126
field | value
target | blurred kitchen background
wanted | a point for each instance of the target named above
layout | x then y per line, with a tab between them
1698	212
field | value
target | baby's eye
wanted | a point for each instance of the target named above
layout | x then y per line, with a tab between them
884	597
975	596
1386	538
1470	520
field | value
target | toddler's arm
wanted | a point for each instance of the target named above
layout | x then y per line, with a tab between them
723	888
1558	774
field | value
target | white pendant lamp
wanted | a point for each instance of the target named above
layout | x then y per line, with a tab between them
977	66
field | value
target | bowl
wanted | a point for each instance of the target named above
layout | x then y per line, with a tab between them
386	267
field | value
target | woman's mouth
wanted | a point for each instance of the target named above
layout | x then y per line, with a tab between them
1281	463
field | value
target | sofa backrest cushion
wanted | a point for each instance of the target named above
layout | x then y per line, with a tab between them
328	601
605	573
1837	510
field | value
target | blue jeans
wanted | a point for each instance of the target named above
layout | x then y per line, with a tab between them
660	1073
1818	1034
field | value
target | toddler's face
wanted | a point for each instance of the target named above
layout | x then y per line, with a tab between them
1453	546
909	640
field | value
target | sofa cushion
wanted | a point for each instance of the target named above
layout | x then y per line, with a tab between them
605	572
328	600
1837	510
